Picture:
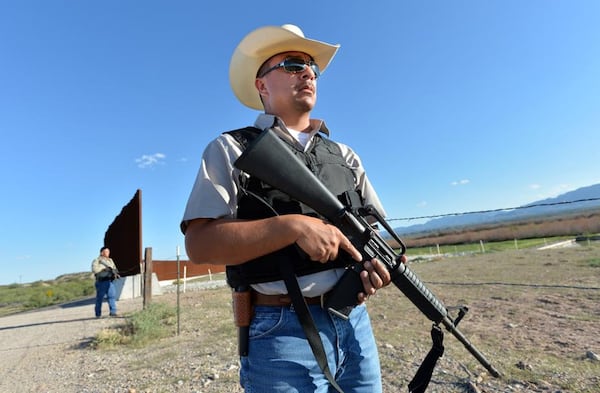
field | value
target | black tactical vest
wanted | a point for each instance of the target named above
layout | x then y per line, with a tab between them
259	200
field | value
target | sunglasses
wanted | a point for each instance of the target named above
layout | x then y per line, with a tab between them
294	65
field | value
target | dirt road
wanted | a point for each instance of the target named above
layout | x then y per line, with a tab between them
32	343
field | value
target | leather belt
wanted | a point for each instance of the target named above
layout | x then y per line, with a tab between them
259	299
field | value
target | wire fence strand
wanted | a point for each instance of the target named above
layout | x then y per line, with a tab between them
495	210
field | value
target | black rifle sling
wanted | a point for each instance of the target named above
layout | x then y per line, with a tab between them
244	136
421	380
307	322
104	263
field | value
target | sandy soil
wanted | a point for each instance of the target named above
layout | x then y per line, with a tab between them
34	343
534	314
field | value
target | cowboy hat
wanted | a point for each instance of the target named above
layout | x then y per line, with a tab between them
263	43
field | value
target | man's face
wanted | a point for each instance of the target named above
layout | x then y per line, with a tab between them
105	253
284	91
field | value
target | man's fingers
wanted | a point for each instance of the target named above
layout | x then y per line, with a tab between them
362	298
368	286
382	272
377	273
350	249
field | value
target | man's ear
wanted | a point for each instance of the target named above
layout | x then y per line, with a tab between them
261	87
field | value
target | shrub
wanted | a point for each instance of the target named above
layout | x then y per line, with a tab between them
154	322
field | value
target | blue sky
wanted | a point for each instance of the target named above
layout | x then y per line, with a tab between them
452	105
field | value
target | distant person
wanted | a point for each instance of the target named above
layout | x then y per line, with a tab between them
106	272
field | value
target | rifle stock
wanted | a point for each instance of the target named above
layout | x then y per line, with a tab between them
269	159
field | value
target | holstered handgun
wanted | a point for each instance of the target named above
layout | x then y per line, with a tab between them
242	315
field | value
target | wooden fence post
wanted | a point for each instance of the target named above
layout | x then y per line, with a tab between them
147	276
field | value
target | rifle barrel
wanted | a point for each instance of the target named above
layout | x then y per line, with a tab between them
467	344
269	159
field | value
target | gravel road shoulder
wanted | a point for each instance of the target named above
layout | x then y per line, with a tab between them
35	344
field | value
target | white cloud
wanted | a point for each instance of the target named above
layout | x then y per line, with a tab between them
460	182
149	160
422	204
535	186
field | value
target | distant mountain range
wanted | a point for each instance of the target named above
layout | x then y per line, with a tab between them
584	198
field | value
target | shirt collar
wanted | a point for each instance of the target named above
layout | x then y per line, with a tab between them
265	121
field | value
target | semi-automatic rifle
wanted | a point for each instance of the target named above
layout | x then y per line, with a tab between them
269	159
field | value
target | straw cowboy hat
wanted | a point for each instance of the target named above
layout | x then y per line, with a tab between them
263	43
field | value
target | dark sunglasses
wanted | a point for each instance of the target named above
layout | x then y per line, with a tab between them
294	65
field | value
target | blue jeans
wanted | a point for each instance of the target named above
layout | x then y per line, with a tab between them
281	360
105	288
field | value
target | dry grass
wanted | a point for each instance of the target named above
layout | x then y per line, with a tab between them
533	314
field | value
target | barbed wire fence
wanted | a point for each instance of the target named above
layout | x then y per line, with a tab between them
453	244
536	205
173	257
571	202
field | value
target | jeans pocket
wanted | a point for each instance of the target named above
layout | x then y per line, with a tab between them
266	321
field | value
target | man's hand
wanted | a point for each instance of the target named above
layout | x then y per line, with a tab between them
374	277
322	241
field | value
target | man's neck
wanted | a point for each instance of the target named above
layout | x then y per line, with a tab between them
299	122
